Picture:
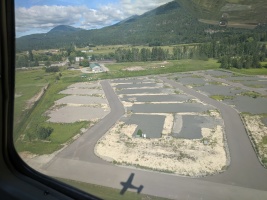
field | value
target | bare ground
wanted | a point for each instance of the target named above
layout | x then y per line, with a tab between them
35	98
167	154
257	131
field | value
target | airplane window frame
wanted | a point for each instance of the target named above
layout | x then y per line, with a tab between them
10	157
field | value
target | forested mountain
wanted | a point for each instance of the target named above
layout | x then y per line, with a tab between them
165	25
64	29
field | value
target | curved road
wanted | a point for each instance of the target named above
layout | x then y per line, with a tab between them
244	179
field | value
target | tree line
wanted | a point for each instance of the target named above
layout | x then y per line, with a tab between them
238	51
241	51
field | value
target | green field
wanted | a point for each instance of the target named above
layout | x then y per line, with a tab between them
108	193
119	70
254	71
28	83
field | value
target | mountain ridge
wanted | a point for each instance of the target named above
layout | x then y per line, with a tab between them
64	28
171	23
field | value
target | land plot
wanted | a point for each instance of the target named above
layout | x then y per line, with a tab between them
85	100
146	91
248	104
189	126
219	90
241	78
151	125
131	80
217	73
192	81
157	98
71	114
170	108
187	155
140	85
85	85
81	91
255	84
168	154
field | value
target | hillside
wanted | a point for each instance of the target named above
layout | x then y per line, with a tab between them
171	23
64	29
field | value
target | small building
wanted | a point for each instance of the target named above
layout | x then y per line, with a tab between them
78	59
96	67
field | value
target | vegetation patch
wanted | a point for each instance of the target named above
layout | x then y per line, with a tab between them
258	134
221	97
253	71
215	83
44	132
255	86
251	94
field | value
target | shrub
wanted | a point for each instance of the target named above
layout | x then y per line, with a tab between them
139	132
52	69
44	132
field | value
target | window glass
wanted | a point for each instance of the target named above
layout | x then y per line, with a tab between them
144	99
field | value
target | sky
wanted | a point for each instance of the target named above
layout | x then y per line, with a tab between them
40	16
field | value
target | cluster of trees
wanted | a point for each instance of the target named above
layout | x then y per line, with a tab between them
243	51
238	51
145	54
33	60
84	63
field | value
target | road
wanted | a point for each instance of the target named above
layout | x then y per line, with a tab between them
244	179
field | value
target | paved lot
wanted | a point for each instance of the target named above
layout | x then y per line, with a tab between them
151	125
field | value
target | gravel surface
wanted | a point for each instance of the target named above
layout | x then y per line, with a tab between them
74	99
71	114
86	102
81	91
145	91
140	85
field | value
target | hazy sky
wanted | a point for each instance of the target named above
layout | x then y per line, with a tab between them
39	16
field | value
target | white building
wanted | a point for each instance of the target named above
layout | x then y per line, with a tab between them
78	59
